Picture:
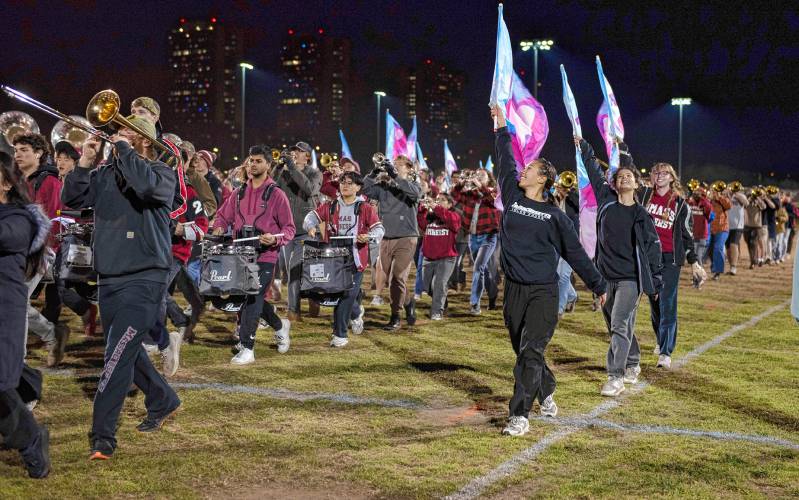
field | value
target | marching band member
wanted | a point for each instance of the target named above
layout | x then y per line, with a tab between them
300	182
672	219
398	197
439	224
628	256
23	237
476	196
261	205
534	233
132	198
348	215
719	230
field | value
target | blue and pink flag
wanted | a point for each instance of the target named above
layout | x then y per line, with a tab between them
396	142
608	119
526	118
588	205
345	148
489	164
411	143
449	161
420	158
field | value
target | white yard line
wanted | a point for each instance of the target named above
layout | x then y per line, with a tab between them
478	485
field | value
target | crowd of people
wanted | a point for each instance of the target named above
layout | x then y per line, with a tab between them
148	227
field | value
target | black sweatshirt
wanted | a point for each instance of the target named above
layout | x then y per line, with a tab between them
535	234
132	198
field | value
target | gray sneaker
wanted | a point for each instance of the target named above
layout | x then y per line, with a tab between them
631	374
517	426
613	387
475	310
357	323
548	407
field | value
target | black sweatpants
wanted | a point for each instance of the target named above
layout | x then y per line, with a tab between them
531	314
128	311
18	428
256	307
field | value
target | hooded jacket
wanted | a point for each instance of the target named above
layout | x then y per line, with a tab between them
302	189
681	231
648	257
23	230
132	198
398	202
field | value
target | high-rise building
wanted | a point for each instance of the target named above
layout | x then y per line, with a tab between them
314	97
204	105
433	93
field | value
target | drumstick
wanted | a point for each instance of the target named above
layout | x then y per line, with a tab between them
252	238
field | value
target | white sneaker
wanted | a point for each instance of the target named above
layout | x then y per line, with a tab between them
187	311
32	404
171	355
357	323
417	296
733	270
436	317
613	387
631	374
517	426
377	300
282	337
150	349
244	357
548	407
656	350
339	341
262	324
664	361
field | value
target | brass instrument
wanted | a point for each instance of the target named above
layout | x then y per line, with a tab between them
104	108
567	179
735	186
756	192
16	122
719	186
378	158
693	184
772	190
65	131
327	160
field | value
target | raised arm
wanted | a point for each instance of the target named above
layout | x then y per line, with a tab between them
152	182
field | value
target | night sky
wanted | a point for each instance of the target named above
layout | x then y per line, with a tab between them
737	60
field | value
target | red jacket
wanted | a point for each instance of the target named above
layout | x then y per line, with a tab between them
487	216
367	219
194	221
440	230
274	218
700	211
329	186
48	196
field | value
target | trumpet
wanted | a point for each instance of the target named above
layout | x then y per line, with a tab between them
719	186
735	186
13	123
772	190
327	160
279	156
567	179
379	159
756	192
693	184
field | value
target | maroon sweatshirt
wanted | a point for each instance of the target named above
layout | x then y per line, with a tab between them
440	229
274	217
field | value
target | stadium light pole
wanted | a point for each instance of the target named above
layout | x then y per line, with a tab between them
378	94
680	102
244	67
536	45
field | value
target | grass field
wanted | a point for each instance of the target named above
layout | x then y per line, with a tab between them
427	407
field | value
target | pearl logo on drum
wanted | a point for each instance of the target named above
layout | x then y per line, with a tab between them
220	277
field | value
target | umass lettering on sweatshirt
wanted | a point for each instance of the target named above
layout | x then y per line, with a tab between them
536	234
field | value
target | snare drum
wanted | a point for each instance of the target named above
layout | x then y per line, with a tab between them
229	270
77	257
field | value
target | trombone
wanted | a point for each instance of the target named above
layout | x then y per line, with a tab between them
102	109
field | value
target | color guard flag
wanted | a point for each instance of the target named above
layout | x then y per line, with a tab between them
489	164
411	147
420	158
526	118
608	119
396	142
449	160
588	205
345	148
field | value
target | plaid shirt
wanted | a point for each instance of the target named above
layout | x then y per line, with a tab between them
487	215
